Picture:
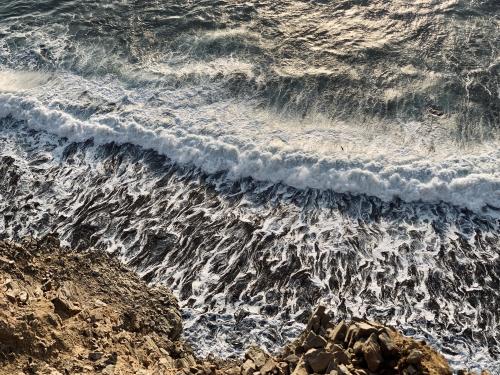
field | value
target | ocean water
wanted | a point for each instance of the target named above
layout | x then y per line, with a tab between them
261	157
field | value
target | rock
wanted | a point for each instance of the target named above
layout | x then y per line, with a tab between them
95	356
23	297
269	366
11	295
410	370
248	367
337	335
351	335
357	348
257	355
318	360
365	329
235	370
340	356
300	369
283	368
292	358
313	341
343	370
112	359
387	345
371	353
63	305
319	321
415	357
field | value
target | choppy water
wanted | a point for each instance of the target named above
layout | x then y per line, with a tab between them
262	156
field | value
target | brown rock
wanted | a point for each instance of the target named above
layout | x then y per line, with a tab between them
319	321
292	358
386	344
257	355
318	360
313	341
343	370
337	335
365	329
248	367
351	335
283	368
269	366
371	353
63	304
340	355
300	369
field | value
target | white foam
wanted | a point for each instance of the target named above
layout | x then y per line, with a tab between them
223	137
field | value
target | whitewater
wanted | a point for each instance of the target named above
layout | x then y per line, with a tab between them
261	157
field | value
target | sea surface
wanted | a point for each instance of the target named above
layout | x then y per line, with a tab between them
260	157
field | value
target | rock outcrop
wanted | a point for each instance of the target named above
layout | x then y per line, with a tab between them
67	312
64	312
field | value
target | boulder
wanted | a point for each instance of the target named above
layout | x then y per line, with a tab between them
300	369
318	360
365	329
319	321
337	335
340	355
313	341
248	367
292	359
372	353
269	366
257	356
387	345
343	370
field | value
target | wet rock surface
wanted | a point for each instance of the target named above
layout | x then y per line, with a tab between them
67	312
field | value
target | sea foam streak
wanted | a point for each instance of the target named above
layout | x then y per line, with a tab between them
459	181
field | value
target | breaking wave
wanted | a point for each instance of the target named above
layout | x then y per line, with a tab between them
261	157
472	182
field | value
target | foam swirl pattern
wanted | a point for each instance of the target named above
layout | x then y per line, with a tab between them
259	157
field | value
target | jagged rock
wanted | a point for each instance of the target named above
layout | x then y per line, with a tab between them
337	335
352	335
292	358
23	297
357	348
371	353
365	329
343	370
313	341
414	357
386	344
283	368
11	295
95	356
248	367
319	321
339	355
63	304
269	366
300	369
257	355
318	360
235	370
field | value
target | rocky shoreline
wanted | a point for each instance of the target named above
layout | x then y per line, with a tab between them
68	312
